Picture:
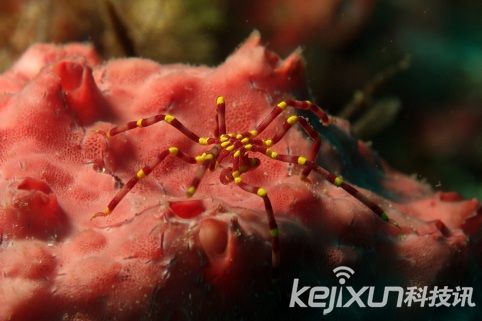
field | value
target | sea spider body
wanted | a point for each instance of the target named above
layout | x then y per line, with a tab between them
238	149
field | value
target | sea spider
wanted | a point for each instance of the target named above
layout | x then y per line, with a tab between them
238	149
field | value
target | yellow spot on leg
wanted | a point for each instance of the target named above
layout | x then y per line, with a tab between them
292	119
301	160
203	140
106	212
169	118
173	150
190	191
253	132
200	158
209	156
282	105
271	153
220	100
338	181
140	174
261	192
237	180
139	122
267	142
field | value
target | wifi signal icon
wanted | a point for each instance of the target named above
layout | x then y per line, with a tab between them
343	273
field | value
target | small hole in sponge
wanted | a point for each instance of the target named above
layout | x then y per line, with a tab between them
187	209
213	235
30	184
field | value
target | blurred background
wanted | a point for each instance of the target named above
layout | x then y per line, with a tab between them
408	74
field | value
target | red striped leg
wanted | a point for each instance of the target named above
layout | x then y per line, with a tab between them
216	129
206	160
273	226
298	104
145	122
221	115
290	122
230	174
350	189
315	109
236	163
313	134
240	161
222	155
140	174
268	119
315	148
266	151
337	181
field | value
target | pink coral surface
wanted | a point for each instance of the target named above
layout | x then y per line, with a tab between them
158	255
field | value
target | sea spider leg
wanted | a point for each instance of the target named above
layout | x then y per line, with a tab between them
273	226
242	164
216	129
268	119
206	160
350	189
310	164
229	174
301	105
315	148
281	106
314	108
330	177
221	115
142	173
312	133
170	119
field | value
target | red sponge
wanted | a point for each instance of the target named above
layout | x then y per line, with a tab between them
159	253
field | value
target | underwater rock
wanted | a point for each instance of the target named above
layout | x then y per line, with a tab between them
161	256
